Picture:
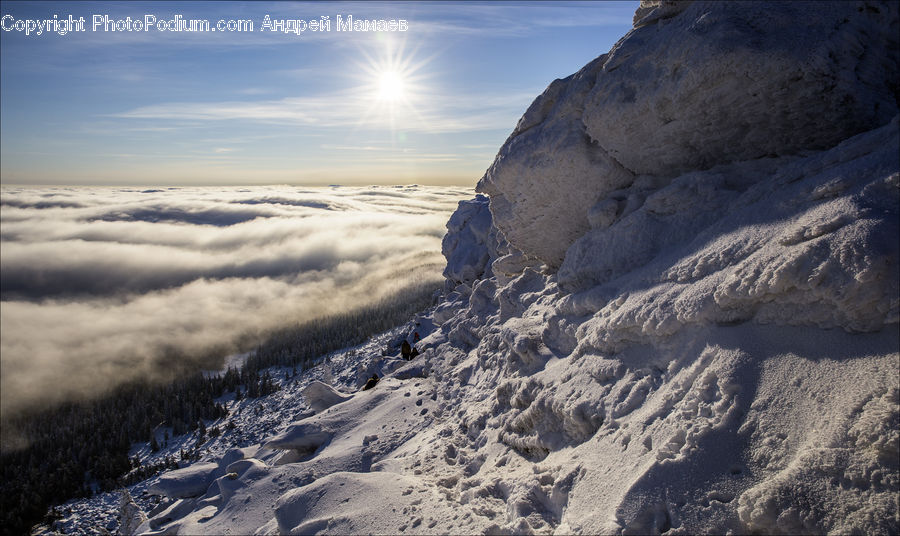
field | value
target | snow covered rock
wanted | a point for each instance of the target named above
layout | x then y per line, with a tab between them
467	244
742	82
693	86
187	482
320	396
130	515
647	366
715	244
549	173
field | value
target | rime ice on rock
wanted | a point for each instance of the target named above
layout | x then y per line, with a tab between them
467	244
693	86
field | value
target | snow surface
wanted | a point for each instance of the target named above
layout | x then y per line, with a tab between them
188	482
320	396
670	327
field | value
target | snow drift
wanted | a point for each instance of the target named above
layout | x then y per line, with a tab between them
676	312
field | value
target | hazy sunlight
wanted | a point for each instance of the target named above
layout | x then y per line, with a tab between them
391	86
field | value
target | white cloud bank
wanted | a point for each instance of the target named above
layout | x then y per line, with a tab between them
103	285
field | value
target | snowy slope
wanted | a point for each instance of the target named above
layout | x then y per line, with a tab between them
676	312
254	419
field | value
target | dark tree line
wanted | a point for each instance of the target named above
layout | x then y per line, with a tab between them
77	449
301	345
80	448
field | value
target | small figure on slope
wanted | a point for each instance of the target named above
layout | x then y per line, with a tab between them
371	383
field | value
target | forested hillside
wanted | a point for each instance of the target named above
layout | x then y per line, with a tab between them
81	448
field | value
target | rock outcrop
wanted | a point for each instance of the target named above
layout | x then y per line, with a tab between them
694	85
711	343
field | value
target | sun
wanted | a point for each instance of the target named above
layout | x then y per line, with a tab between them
391	86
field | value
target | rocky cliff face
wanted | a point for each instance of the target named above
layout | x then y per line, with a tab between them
690	322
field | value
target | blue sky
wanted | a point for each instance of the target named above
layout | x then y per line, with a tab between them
430	105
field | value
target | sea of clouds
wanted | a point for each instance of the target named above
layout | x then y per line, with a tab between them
102	285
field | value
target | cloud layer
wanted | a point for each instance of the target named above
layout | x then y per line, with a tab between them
99	286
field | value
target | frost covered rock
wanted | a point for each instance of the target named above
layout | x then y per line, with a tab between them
549	173
475	250
130	515
741	82
825	254
693	86
467	244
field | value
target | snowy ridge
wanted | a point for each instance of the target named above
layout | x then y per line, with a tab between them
675	313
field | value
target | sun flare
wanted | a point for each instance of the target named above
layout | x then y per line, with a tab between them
391	86
393	89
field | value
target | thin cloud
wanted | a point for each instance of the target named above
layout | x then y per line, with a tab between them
428	113
356	147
